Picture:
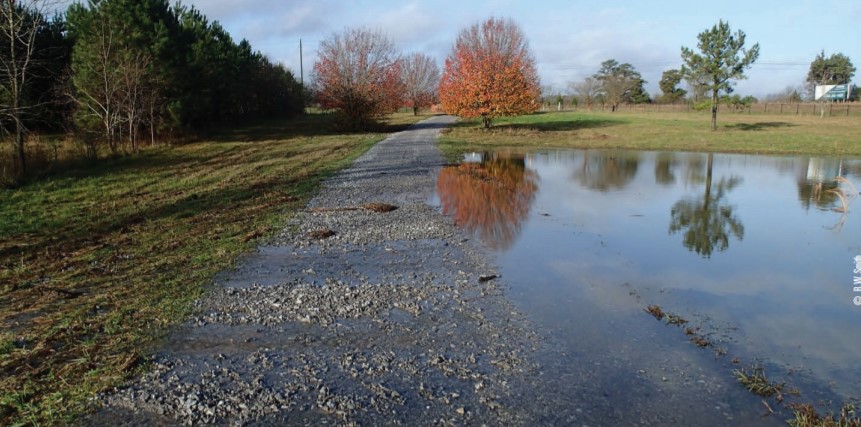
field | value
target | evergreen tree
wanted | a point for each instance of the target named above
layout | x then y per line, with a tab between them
722	59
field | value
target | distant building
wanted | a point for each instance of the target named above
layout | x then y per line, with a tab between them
834	92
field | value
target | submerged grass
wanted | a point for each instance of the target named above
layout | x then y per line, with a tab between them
97	262
737	133
755	381
805	415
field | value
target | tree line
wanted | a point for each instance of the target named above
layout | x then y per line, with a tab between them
119	73
676	86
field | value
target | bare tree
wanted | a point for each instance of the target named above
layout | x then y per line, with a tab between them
587	90
136	93
97	85
420	76
619	83
358	73
20	21
697	86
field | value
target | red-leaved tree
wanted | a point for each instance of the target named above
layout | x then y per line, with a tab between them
358	73
490	73
420	76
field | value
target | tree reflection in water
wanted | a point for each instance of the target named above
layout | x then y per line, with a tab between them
708	220
490	198
664	169
607	170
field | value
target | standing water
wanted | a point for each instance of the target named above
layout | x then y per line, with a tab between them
653	277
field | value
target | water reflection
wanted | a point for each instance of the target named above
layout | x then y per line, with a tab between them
491	197
664	165
607	170
755	262
708	220
816	183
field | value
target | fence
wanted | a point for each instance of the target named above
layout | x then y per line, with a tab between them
828	109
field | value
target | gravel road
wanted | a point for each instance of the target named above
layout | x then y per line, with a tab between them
355	315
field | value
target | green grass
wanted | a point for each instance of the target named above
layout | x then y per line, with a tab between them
97	262
804	415
737	133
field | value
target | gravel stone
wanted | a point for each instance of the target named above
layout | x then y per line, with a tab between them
386	321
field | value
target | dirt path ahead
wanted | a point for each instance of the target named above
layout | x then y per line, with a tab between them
382	322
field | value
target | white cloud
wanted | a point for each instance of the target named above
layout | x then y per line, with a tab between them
568	40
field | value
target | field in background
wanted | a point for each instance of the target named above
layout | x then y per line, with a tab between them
97	261
678	131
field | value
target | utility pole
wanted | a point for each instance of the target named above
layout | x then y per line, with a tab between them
301	69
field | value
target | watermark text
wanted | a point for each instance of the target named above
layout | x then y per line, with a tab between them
856	281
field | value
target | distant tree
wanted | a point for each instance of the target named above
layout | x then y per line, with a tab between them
21	22
587	90
837	69
737	102
123	59
358	73
669	83
790	94
223	81
621	83
490	73
722	59
698	86
420	76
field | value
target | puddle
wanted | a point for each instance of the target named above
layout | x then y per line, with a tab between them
753	250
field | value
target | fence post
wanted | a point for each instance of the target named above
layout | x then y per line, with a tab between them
781	108
831	110
766	108
797	107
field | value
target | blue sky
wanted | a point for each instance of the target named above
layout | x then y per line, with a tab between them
569	39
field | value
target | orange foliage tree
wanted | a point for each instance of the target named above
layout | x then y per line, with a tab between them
358	73
490	73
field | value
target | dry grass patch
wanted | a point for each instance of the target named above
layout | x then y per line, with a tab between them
98	261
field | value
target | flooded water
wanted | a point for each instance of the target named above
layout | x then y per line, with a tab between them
757	253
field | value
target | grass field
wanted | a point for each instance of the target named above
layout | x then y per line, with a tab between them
737	133
97	262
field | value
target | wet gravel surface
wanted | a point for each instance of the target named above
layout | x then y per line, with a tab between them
363	316
384	322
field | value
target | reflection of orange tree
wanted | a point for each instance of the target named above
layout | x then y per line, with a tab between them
491	198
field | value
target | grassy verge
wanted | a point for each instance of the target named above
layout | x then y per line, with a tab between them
97	262
737	133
